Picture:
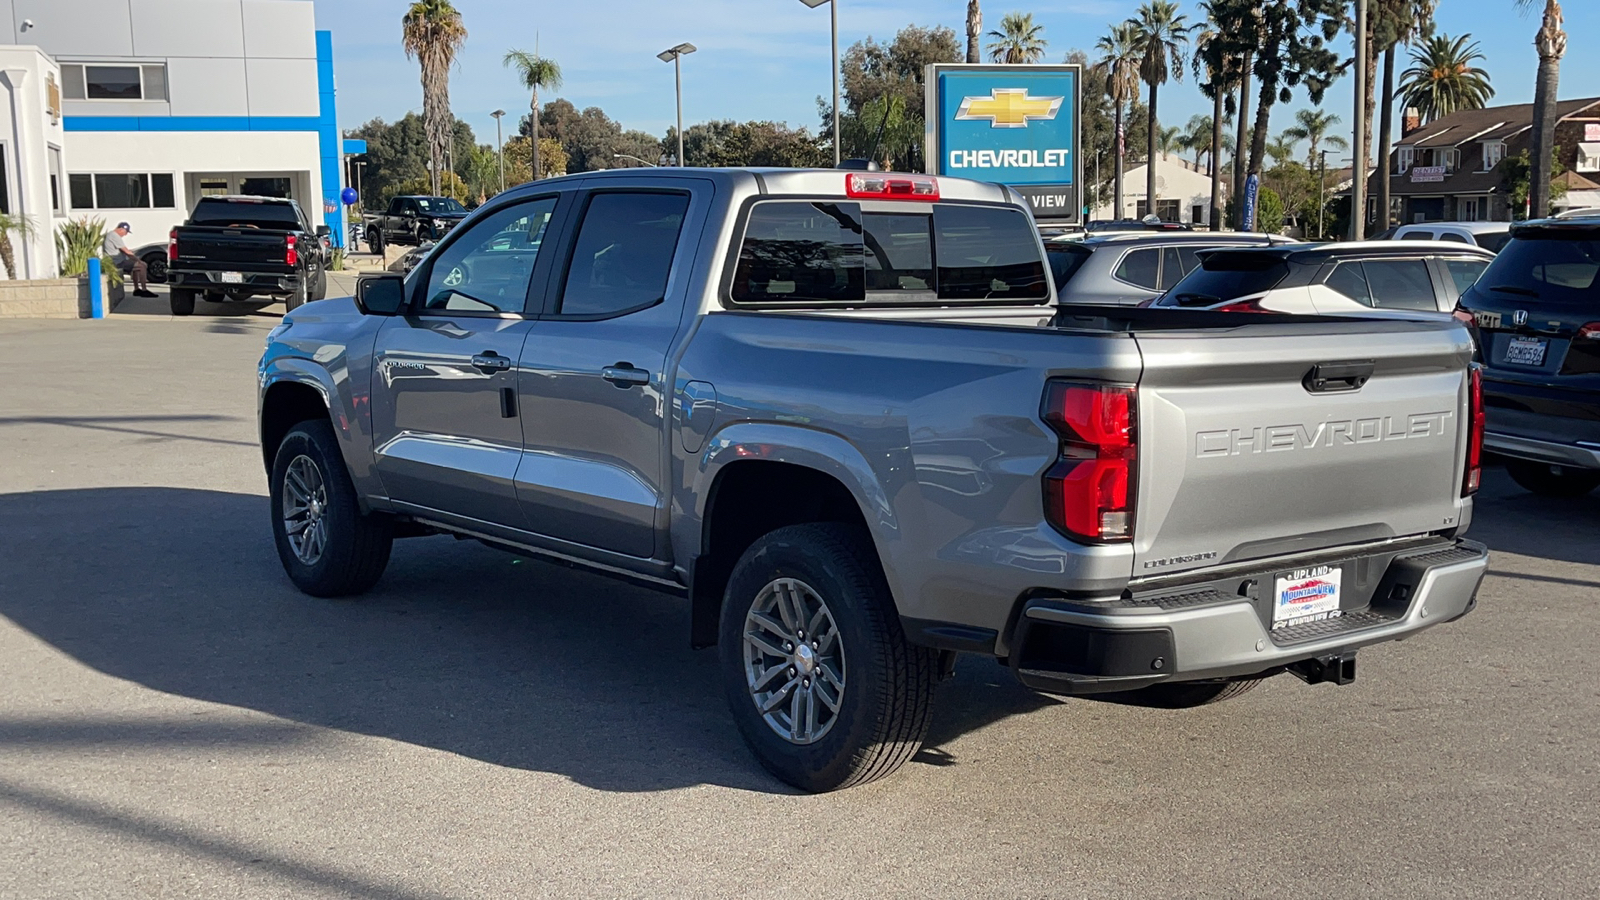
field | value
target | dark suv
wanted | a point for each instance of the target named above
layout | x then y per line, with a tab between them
1537	313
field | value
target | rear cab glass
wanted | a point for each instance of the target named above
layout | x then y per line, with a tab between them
800	252
1225	276
245	214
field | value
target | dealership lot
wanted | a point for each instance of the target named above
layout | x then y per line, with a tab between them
175	718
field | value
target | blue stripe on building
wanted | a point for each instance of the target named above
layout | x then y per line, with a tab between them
328	138
192	123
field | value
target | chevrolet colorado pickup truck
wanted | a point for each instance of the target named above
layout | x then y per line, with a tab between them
413	220
841	414
236	248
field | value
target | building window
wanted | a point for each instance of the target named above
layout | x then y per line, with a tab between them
58	203
1588	157
121	191
1404	156
113	82
1493	152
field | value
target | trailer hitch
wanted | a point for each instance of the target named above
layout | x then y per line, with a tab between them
1335	668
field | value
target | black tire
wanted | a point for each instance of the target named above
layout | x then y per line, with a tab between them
235	296
357	545
375	240
1552	481
182	300
320	291
888	682
1183	695
155	266
298	297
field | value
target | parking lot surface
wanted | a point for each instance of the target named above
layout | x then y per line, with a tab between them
177	720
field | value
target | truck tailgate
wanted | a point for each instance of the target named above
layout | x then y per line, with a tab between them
1245	455
242	249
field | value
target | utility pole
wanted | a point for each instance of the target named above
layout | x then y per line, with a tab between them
1358	187
833	11
1322	194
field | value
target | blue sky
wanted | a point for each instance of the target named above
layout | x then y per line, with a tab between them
768	59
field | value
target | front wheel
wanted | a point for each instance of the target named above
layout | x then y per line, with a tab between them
155	268
1552	481
819	676
328	547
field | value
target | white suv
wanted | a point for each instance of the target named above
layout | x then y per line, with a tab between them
1490	236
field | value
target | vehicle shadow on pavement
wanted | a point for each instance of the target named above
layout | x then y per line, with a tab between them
1503	511
461	648
161	305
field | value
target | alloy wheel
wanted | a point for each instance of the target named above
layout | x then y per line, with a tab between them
305	509
794	661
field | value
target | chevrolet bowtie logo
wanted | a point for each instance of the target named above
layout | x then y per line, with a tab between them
1008	108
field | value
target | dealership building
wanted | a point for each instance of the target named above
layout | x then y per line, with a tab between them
131	110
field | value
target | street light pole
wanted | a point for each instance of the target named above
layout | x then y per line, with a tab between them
1322	194
1097	180
833	13
675	55
499	146
1358	188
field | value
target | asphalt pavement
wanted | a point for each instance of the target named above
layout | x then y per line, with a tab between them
177	721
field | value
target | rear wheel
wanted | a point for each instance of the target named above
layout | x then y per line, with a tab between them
375	240
328	547
1184	695
1552	481
155	268
297	298
819	676
182	300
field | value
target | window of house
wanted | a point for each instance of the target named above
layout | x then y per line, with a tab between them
1493	152
58	200
88	81
1588	157
134	190
1404	157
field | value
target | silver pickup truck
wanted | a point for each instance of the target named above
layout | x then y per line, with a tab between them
840	412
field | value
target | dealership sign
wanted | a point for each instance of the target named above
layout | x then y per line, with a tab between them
1012	125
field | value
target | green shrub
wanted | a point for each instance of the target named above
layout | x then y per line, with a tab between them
77	242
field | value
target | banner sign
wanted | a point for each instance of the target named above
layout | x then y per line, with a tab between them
1012	125
1427	173
1252	187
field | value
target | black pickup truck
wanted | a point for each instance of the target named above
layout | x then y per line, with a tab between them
413	220
235	248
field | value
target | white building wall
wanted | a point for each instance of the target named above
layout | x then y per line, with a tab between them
30	138
1176	179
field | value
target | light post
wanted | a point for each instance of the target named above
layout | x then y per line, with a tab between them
1358	187
1097	181
833	12
636	159
499	147
1322	193
675	56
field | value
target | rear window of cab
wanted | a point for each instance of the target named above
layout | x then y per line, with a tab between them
797	252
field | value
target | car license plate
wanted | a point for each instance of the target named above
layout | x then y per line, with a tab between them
233	278
1306	595
1526	351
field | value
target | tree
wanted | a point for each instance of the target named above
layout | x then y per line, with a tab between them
1442	78
1312	125
519	159
22	227
883	90
1097	132
1517	180
1281	149
1119	65
729	143
1551	42
1169	140
1219	72
1395	22
534	71
400	152
974	31
1270	218
432	32
1161	33
1019	40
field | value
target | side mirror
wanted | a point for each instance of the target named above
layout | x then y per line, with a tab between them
380	295
323	231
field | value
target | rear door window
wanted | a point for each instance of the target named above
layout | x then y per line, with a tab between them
623	253
1452	236
1400	284
1349	280
1141	267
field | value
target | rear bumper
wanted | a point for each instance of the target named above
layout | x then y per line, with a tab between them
1200	632
1583	455
250	282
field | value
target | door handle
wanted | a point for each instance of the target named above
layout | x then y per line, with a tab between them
1336	377
490	362
624	375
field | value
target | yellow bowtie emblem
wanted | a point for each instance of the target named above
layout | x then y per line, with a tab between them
1008	108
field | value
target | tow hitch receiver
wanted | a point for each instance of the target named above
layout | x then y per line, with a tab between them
1335	668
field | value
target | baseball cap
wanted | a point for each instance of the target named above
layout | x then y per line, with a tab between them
125	225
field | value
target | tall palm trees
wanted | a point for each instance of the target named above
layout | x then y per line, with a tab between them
1119	60
1216	70
1312	125
432	32
535	71
1019	40
1551	42
1443	79
974	31
1161	34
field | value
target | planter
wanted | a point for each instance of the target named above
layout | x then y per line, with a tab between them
53	298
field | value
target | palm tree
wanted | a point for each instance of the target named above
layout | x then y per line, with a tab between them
1394	22
1281	148
974	31
1214	68
1551	42
22	227
432	32
1442	78
1197	137
1119	60
1169	140
1313	125
1161	33
1018	40
535	71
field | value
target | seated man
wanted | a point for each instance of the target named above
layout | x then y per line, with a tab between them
116	247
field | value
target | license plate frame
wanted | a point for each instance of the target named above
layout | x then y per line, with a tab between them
233	278
1527	351
1311	594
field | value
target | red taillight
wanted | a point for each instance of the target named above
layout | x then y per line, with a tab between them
1476	420
172	245
1089	492
1464	317
1243	306
290	255
1589	332
875	186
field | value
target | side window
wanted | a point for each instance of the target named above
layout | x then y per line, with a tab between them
623	253
486	269
1450	236
1400	284
1172	270
1348	279
1416	234
1464	272
1140	267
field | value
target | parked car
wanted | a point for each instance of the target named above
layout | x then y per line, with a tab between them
1537	313
757	389
1127	268
1578	212
1490	236
409	259
1331	279
1105	225
155	261
236	248
413	220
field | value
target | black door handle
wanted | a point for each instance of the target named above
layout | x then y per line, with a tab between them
490	362
624	375
1333	377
